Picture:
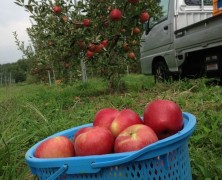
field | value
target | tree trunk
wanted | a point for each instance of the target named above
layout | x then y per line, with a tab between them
84	74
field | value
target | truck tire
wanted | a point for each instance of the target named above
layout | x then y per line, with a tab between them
161	72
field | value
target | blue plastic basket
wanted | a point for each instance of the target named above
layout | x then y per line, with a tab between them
165	159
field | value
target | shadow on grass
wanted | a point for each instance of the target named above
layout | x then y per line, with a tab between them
213	82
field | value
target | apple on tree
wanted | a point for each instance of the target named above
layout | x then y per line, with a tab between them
55	147
104	42
57	9
134	138
144	16
91	47
98	48
125	47
124	119
136	30
89	54
131	55
115	15
164	117
104	117
86	22
94	141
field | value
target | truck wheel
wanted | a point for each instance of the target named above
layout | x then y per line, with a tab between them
161	72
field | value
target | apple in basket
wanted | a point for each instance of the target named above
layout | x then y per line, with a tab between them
104	117
55	147
80	131
93	141
164	117
134	138
124	119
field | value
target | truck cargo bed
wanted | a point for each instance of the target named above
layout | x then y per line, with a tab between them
204	34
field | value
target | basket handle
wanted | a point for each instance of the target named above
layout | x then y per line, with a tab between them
59	172
126	159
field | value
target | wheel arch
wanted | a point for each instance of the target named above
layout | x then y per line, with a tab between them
158	59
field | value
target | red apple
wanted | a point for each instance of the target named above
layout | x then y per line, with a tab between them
94	141
115	15
80	131
91	47
104	117
89	54
134	137
86	22
131	55
55	147
164	117
136	30
124	119
104	42
126	47
144	16
98	48
57	9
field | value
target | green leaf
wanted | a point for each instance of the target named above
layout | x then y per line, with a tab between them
18	3
36	10
219	165
33	17
29	8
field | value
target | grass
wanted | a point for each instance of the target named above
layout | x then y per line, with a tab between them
30	113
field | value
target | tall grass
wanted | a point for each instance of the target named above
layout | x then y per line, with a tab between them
32	112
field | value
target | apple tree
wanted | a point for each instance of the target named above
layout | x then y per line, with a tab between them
104	33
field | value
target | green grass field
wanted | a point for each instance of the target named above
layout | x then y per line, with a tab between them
30	113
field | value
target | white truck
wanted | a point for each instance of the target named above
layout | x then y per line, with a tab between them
186	41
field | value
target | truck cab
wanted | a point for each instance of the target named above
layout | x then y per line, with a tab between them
159	54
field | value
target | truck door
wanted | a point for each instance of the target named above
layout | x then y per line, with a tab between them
158	37
160	30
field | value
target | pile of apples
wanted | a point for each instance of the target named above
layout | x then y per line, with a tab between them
116	131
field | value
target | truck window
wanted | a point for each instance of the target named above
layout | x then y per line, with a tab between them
164	5
198	2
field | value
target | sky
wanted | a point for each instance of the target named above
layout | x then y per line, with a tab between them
12	18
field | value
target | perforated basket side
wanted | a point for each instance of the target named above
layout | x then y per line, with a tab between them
174	165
